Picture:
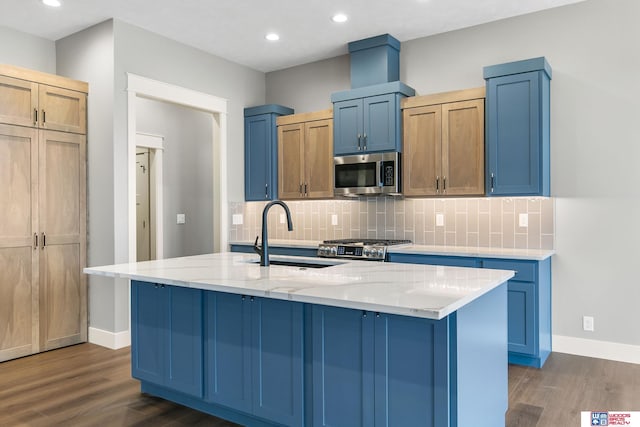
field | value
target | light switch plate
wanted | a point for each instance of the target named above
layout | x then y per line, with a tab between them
523	220
439	220
237	219
587	323
181	219
334	219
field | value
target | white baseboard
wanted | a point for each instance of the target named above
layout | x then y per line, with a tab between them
598	349
112	340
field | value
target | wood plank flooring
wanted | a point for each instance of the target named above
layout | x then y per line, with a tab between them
88	385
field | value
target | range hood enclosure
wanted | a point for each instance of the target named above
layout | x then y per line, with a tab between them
374	61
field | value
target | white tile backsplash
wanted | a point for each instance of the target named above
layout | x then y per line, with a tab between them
481	222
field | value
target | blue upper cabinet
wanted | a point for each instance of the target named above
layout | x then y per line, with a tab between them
368	120
517	126
261	151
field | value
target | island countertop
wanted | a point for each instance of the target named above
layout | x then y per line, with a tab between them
426	291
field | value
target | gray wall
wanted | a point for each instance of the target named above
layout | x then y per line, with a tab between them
187	174
592	47
88	56
102	55
27	51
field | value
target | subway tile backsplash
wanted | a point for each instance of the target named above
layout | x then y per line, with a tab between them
477	222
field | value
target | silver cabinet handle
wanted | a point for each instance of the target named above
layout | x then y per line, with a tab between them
364	137
444	184
35	238
437	184
35	116
301	193
266	191
492	181
359	141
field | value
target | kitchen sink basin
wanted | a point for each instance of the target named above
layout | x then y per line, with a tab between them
290	262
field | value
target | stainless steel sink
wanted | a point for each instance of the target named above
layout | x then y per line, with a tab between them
289	262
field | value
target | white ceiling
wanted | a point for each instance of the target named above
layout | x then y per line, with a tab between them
235	29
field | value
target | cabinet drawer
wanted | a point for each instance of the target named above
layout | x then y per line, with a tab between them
525	270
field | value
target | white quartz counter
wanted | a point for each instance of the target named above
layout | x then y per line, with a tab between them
426	291
461	251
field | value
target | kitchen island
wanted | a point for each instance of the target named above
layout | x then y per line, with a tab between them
353	344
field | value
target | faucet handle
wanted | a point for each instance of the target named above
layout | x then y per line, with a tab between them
257	249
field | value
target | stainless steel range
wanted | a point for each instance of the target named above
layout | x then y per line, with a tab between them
365	249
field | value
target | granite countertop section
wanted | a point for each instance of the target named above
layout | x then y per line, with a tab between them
462	251
425	291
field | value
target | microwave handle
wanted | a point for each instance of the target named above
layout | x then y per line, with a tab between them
380	173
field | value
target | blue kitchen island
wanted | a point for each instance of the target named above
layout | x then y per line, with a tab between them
353	344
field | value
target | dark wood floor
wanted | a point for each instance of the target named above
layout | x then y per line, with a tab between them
87	385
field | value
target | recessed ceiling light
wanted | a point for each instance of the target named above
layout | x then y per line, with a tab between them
52	3
339	18
272	37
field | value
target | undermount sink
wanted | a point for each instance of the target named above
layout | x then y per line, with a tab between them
289	262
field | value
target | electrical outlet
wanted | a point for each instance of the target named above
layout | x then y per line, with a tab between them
282	218
237	219
587	323
334	219
439	220
523	220
181	219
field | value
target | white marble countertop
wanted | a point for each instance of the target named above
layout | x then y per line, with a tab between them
425	291
463	251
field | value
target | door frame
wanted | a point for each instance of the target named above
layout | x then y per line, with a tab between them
138	86
155	145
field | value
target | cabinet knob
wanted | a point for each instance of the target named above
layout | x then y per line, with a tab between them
364	313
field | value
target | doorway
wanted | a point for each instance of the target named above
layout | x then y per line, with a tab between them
138	86
143	206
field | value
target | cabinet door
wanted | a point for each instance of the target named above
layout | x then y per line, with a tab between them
522	317
463	148
318	160
348	130
19	253
62	109
184	345
227	350
259	157
451	261
278	389
342	359
380	123
291	161
513	135
422	150
149	322
62	199
19	102
411	371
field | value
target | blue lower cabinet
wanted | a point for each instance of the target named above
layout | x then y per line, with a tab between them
228	350
411	356
529	301
343	362
167	336
277	361
254	353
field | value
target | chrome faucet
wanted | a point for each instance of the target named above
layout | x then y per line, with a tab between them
263	250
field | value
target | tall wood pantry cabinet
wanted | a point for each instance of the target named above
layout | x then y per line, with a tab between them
43	297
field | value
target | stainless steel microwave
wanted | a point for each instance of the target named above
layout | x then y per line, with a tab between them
367	174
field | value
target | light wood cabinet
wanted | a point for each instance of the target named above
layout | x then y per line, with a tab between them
443	152
305	155
40	100
42	223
